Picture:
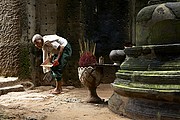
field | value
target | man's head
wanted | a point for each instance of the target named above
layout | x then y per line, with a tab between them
37	40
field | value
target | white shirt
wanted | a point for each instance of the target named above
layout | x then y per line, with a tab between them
51	44
53	39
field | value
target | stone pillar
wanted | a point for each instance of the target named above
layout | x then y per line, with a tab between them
10	35
47	16
31	8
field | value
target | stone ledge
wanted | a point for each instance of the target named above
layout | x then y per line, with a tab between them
16	88
9	81
145	93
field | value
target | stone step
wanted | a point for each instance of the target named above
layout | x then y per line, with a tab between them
16	88
10	84
9	81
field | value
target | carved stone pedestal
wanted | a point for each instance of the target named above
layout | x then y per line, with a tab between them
90	77
150	77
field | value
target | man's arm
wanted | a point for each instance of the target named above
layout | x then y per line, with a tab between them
60	52
59	56
45	60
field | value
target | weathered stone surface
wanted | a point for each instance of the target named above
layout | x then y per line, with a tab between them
4	82
10	36
152	110
145	14
149	77
116	104
15	88
154	21
170	27
9	59
175	8
159	57
161	12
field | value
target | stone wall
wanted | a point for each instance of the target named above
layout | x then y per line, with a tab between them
68	26
10	35
59	17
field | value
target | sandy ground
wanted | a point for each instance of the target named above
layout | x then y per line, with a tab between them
38	104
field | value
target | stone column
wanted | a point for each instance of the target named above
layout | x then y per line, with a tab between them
10	35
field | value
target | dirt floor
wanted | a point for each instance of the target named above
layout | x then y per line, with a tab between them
38	104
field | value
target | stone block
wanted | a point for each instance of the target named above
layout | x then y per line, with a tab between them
48	29
52	19
51	7
16	88
4	82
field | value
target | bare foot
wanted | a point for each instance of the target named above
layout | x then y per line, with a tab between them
55	91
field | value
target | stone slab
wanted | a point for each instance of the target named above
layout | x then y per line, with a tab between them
16	88
9	81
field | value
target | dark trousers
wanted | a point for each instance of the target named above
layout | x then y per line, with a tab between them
57	71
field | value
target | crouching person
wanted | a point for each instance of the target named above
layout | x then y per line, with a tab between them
56	53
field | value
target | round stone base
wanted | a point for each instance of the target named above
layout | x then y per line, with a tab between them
143	109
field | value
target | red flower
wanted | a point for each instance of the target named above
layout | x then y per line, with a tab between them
87	59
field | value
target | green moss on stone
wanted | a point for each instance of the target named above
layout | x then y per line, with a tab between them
150	73
24	62
126	87
155	86
170	27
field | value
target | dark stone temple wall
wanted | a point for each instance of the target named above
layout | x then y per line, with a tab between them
104	22
61	17
68	26
107	24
